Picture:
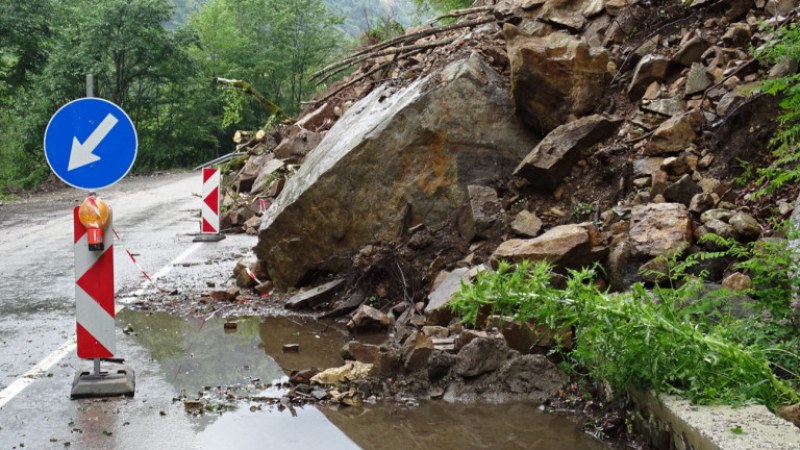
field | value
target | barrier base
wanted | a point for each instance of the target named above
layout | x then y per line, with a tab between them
208	237
118	380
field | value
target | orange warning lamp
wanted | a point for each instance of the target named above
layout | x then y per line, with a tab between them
93	214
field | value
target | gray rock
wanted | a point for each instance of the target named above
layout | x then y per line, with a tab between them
482	211
702	202
666	106
782	68
315	296
691	51
437	310
697	80
682	190
717	213
527	224
266	175
719	228
650	68
415	154
746	226
555	156
480	356
533	376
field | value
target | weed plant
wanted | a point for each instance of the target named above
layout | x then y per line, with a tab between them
662	339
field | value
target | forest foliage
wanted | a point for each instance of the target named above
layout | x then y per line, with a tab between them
158	60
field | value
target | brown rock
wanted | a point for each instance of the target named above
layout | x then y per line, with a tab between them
554	77
228	295
297	142
675	166
265	287
790	413
433	331
527	224
566	246
358	351
319	118
675	134
659	229
367	317
555	156
737	36
703	202
737	282
416	352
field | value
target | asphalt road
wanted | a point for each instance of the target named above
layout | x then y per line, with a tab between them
155	217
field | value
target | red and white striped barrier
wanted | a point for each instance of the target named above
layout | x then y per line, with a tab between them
210	200
94	294
209	226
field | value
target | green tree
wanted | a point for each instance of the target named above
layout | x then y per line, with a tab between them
271	44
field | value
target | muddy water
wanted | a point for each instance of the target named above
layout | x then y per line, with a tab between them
197	354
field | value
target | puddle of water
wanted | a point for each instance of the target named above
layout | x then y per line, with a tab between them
193	354
439	425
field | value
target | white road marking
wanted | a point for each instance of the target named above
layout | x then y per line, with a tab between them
40	369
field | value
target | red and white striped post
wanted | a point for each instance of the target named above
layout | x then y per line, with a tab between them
94	294
209	222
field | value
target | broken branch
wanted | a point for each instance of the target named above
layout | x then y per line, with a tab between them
399	40
247	88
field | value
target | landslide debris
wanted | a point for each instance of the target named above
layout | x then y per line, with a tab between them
591	131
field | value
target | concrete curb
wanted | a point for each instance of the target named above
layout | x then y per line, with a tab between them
672	423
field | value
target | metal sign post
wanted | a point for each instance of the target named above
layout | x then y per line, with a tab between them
91	143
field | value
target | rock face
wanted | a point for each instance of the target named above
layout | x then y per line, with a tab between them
391	162
554	77
553	158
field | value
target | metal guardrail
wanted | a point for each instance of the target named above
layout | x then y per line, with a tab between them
221	159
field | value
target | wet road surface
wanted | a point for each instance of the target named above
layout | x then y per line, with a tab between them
179	358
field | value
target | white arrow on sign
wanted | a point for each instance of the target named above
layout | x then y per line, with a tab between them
81	154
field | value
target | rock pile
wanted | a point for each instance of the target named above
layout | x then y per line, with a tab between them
536	129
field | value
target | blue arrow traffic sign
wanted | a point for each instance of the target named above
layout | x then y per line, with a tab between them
90	143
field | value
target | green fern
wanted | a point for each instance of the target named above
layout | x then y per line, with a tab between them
784	168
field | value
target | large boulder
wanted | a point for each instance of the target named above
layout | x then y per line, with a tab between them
553	158
393	161
555	77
